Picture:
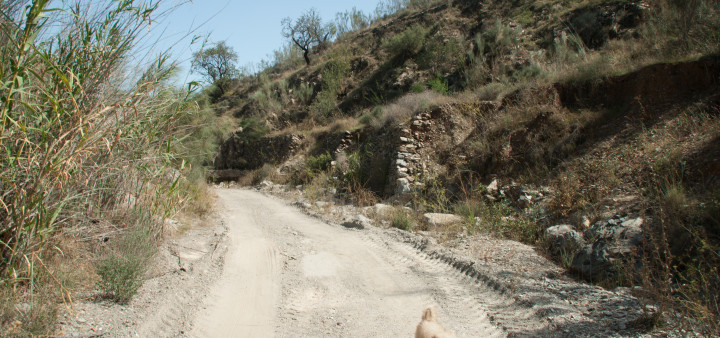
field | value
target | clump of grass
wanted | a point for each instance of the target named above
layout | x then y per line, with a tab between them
402	109
33	318
320	187
261	174
469	209
401	220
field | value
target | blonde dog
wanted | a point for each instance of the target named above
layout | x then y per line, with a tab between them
430	328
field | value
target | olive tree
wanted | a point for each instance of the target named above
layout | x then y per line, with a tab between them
307	32
217	65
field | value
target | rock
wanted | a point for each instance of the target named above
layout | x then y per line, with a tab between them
492	188
382	209
564	240
524	201
614	241
595	25
585	222
266	184
357	222
402	186
321	204
401	163
438	220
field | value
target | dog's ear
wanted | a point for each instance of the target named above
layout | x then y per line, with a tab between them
429	314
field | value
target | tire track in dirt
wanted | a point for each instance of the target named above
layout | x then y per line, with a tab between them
334	281
459	292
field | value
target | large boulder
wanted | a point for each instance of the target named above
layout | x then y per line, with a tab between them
562	240
402	186
614	242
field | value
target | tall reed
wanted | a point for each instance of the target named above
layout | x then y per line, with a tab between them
79	140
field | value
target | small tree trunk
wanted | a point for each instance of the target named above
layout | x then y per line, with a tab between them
305	55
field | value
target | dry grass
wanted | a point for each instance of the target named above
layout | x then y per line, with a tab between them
403	109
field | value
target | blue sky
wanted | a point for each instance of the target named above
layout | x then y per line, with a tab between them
252	28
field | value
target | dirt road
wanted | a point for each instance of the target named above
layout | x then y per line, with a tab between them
287	274
263	268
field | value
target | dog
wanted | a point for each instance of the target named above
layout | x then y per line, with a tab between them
430	328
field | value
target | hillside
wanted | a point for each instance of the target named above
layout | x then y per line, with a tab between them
589	129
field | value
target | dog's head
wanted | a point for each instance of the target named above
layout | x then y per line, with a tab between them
429	326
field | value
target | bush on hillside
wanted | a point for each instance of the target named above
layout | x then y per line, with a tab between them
407	43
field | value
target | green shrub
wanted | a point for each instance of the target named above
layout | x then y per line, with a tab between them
316	164
371	118
334	73
525	72
320	187
433	196
324	107
252	129
439	85
121	272
304	92
355	174
401	220
121	277
490	46
526	17
407	43
418	88
469	209
442	56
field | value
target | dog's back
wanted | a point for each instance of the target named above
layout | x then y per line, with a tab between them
429	326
